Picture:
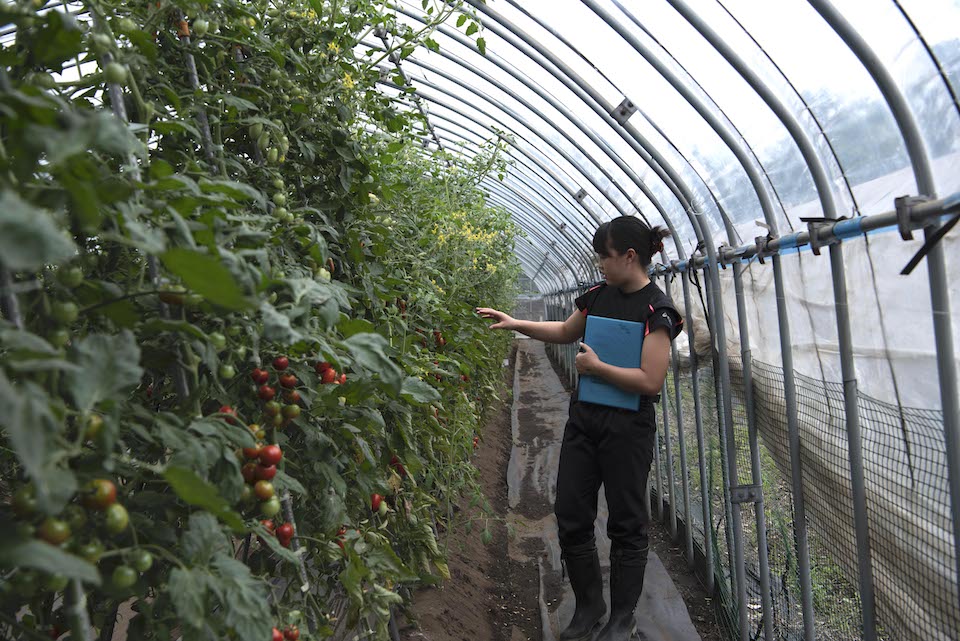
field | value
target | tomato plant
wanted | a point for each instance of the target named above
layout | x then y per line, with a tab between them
242	209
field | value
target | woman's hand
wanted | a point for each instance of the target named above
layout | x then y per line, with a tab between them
504	321
587	360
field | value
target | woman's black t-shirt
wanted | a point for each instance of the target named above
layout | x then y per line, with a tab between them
647	305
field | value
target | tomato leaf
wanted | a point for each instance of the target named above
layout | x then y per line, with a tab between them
383	558
207	276
40	555
29	238
243	598
419	392
236	190
194	490
277	327
369	351
204	538
108	365
187	589
352	577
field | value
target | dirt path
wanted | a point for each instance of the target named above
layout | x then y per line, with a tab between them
488	596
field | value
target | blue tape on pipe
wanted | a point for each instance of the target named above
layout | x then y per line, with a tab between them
682	266
951	201
789	242
849	228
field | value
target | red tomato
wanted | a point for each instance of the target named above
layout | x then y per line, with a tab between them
375	501
249	472
271	455
321	367
288	380
226	409
281	363
260	376
99	494
277	635
266	393
328	376
291	633
285	532
265	472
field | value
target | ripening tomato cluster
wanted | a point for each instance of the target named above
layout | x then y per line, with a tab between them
290	633
276	414
258	472
283	532
78	528
329	375
378	505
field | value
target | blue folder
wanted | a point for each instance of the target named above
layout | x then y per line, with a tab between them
616	342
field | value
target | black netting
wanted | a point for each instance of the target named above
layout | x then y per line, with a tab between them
908	506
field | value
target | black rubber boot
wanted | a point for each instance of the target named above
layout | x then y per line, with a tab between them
627	568
583	567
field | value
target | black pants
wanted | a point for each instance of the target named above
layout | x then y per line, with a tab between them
612	447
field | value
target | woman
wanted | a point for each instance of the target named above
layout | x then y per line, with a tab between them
607	445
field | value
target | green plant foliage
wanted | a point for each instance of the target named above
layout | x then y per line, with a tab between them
239	194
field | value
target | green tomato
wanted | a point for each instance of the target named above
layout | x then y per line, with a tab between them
94	424
278	183
123	577
54	531
273	154
255	130
56	582
70	276
24	501
102	42
200	27
91	551
141	560
247	496
117	519
279	198
66	312
218	340
227	372
126	25
270	508
75	516
115	73
59	338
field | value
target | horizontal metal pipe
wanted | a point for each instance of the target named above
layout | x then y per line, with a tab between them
831	232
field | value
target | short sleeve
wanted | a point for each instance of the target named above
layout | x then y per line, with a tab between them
585	300
665	317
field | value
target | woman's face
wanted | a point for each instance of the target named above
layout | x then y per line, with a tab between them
615	266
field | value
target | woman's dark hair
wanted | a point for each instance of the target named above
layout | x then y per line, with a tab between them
629	232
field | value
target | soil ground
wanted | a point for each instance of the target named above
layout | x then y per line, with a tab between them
491	597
